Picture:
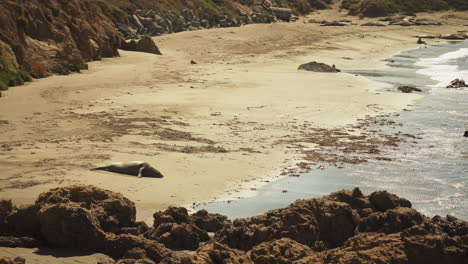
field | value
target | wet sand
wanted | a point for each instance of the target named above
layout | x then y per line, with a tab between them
211	128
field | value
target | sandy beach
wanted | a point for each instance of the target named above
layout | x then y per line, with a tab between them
211	127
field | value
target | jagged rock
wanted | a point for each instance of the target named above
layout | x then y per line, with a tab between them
218	253
138	228
117	246
282	251
466	134
305	221
209	222
426	243
23	242
409	89
391	221
363	248
112	210
318	67
145	44
457	83
178	236
383	201
193	62
175	229
451	225
70	226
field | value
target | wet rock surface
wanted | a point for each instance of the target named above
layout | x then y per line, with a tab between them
343	227
457	83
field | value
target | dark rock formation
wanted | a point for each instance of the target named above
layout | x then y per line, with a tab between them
343	227
457	83
466	134
145	44
383	201
218	253
408	89
305	221
281	251
318	67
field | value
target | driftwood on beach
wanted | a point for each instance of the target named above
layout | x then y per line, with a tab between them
345	226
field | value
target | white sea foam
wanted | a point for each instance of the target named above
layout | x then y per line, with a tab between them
440	68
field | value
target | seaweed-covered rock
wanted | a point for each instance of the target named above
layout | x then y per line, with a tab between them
219	253
391	221
383	201
305	221
209	222
112	210
281	251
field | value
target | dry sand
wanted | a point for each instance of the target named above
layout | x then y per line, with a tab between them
210	127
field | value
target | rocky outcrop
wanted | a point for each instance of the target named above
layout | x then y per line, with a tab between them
178	230
55	36
343	227
78	217
457	83
307	221
318	67
281	251
145	44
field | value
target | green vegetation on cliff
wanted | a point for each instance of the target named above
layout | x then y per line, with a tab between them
376	8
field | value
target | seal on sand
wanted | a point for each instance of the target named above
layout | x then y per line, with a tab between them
135	168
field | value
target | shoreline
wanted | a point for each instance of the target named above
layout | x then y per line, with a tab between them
160	93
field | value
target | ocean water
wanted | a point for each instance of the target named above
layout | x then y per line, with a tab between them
432	172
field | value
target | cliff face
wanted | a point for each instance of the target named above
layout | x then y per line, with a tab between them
42	37
54	36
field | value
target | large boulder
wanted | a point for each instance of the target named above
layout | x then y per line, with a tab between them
318	67
209	222
112	210
145	44
383	201
457	83
176	230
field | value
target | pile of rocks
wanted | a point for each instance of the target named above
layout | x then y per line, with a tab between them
155	23
343	227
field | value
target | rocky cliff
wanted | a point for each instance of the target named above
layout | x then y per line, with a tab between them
43	37
343	227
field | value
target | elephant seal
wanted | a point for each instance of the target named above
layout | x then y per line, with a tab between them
135	168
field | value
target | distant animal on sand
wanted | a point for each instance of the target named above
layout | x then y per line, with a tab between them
134	168
420	41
